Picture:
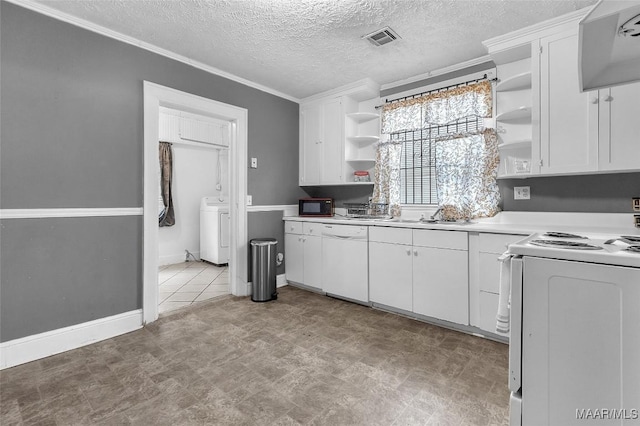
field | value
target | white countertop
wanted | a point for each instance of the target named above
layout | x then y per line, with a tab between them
523	223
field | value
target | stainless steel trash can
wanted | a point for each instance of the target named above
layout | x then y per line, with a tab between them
263	269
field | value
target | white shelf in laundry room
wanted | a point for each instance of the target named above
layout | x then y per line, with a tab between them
520	81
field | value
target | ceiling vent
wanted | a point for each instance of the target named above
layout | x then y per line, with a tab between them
382	36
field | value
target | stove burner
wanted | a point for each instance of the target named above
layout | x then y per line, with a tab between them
563	235
570	245
633	249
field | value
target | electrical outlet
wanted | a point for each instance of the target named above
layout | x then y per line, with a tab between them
254	163
249	200
521	192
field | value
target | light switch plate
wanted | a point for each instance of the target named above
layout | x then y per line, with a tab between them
254	163
521	192
249	200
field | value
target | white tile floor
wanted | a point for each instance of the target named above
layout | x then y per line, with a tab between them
183	284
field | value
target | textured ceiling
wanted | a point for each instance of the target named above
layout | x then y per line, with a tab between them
303	47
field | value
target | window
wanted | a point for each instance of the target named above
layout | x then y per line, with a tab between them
418	162
438	152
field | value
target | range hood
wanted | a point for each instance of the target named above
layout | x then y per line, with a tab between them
609	45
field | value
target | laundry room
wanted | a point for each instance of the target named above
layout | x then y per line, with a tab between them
199	168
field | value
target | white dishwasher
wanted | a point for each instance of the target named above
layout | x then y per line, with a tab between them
345	267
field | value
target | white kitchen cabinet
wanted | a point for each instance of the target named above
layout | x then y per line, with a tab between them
303	247
619	130
338	131
440	275
391	267
568	118
484	276
321	142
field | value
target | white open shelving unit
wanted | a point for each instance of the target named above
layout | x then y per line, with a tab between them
362	127
513	118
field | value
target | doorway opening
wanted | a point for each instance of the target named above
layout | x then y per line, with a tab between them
155	98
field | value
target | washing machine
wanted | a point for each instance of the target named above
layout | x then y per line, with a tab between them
214	230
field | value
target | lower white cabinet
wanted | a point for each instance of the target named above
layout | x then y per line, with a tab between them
303	247
440	275
420	271
391	267
487	276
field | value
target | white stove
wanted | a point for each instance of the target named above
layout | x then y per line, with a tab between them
622	250
574	342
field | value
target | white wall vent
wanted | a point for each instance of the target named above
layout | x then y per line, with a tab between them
382	36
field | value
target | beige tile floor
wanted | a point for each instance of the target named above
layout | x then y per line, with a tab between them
186	283
303	359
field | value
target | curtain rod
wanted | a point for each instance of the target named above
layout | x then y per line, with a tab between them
485	77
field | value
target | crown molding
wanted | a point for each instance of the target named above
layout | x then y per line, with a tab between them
361	90
441	71
528	34
82	23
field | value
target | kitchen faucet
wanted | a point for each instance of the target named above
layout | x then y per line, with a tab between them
433	216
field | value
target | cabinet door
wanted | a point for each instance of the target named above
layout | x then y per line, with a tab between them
568	119
332	160
310	144
390	275
312	261
619	141
294	249
441	284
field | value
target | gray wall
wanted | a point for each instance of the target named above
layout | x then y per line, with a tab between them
72	136
606	193
267	225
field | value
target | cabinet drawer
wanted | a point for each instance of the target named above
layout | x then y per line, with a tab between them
390	235
497	243
311	228
489	270
455	240
291	227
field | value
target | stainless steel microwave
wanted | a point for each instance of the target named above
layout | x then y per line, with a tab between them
320	207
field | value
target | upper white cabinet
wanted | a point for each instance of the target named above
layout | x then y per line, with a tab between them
338	132
619	129
570	132
321	142
568	122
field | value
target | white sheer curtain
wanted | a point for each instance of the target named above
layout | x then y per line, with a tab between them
466	162
387	176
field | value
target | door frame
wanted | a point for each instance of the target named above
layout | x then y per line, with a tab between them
156	96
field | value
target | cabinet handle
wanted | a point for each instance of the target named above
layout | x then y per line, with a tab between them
595	100
609	98
408	252
415	252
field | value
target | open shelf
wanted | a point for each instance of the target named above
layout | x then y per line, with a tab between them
520	113
364	139
361	160
515	144
517	82
363	117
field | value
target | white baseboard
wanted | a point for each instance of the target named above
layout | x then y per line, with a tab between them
281	281
37	346
171	259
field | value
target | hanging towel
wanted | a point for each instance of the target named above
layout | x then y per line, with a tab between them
504	300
